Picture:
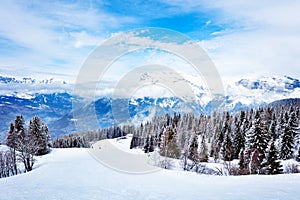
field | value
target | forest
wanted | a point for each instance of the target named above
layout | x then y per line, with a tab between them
257	139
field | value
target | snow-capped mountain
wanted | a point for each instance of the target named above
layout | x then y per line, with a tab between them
6	80
52	100
260	91
27	88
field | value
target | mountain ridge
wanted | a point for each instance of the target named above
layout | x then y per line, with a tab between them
57	110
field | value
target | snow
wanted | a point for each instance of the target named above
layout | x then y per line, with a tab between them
4	148
76	174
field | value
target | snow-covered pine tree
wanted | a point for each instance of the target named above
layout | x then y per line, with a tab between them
14	136
280	124
203	153
242	163
185	155
271	164
239	135
149	144
287	139
257	143
227	147
168	146
272	128
226	127
39	131
216	141
16	130
193	149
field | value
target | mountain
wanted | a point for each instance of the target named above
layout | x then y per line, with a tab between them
52	100
50	107
286	102
255	92
7	80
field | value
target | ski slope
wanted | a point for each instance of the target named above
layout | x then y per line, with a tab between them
77	174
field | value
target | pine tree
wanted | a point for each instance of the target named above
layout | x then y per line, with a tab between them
168	145
227	148
14	136
289	134
16	131
11	141
287	143
242	163
203	154
149	146
193	150
257	141
239	136
226	127
272	129
39	131
298	156
272	165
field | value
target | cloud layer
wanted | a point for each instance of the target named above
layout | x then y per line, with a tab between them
44	38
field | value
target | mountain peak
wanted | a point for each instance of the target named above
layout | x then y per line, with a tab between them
274	83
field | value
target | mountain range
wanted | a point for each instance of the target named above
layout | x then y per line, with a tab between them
53	102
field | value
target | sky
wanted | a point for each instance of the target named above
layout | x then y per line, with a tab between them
242	38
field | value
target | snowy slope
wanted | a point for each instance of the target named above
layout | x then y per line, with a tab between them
75	174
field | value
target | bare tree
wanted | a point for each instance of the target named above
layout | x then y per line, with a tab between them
27	147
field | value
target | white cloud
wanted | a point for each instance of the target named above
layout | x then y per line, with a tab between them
258	37
262	37
83	39
52	36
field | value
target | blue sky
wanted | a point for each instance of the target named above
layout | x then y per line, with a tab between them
53	38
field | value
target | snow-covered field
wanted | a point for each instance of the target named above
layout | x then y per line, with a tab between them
77	174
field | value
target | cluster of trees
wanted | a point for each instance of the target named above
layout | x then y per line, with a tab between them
258	138
84	139
8	165
24	144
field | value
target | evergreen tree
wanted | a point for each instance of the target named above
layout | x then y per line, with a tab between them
193	149
257	143
289	134
272	129
242	163
287	143
203	154
225	128
40	133
272	165
16	131
281	123
239	136
15	135
168	146
227	148
149	146
298	156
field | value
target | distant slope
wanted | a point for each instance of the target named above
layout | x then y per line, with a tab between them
286	102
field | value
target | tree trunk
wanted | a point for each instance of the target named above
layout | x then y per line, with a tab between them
29	166
15	162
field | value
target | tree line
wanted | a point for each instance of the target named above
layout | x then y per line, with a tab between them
259	139
84	139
